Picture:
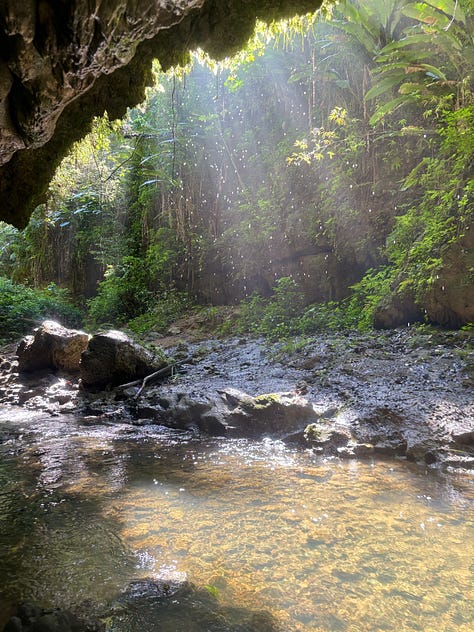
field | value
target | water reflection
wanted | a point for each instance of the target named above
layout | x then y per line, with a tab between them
268	538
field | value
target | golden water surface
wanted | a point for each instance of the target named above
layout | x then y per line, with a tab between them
278	539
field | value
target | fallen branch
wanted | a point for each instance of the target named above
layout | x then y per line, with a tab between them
167	370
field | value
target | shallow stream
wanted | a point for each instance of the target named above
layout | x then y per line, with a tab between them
271	539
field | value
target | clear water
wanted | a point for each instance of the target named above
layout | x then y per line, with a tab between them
272	539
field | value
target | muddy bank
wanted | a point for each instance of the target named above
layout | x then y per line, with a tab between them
402	393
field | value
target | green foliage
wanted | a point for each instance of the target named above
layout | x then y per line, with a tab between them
284	313
367	294
165	309
329	316
429	230
354	312
23	308
438	32
276	317
8	241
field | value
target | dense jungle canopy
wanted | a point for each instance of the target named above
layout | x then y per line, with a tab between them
323	177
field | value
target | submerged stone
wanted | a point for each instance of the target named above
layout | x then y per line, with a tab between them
32	618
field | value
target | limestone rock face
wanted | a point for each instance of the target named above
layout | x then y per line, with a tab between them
62	63
396	310
112	358
57	51
449	301
52	347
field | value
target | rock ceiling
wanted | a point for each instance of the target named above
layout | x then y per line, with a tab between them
62	62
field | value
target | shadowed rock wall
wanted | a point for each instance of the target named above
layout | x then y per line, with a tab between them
62	62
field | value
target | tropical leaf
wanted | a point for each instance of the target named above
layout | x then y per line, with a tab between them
384	85
411	88
424	13
404	42
436	72
450	8
358	33
388	108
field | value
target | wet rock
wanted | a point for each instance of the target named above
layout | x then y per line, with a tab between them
26	395
190	409
327	438
155	589
52	347
147	412
112	358
357	450
272	413
176	604
460	461
424	450
13	625
233	413
384	430
465	437
178	410
213	423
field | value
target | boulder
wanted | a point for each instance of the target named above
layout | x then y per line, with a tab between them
276	414
232	413
464	436
52	347
112	358
397	310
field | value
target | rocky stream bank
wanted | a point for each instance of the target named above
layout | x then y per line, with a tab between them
404	393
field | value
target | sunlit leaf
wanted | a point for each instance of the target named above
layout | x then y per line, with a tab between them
436	72
384	85
387	108
424	13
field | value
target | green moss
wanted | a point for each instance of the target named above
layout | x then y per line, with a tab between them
266	400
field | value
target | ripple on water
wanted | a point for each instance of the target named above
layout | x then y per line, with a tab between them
269	538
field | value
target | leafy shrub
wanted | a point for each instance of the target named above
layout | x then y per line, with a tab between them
284	313
166	309
367	294
331	316
276	317
251	313
22	308
122	295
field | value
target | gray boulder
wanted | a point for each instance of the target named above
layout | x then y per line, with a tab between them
232	413
276	414
112	358
52	347
326	438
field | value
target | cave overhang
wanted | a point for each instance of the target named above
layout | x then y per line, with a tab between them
64	62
